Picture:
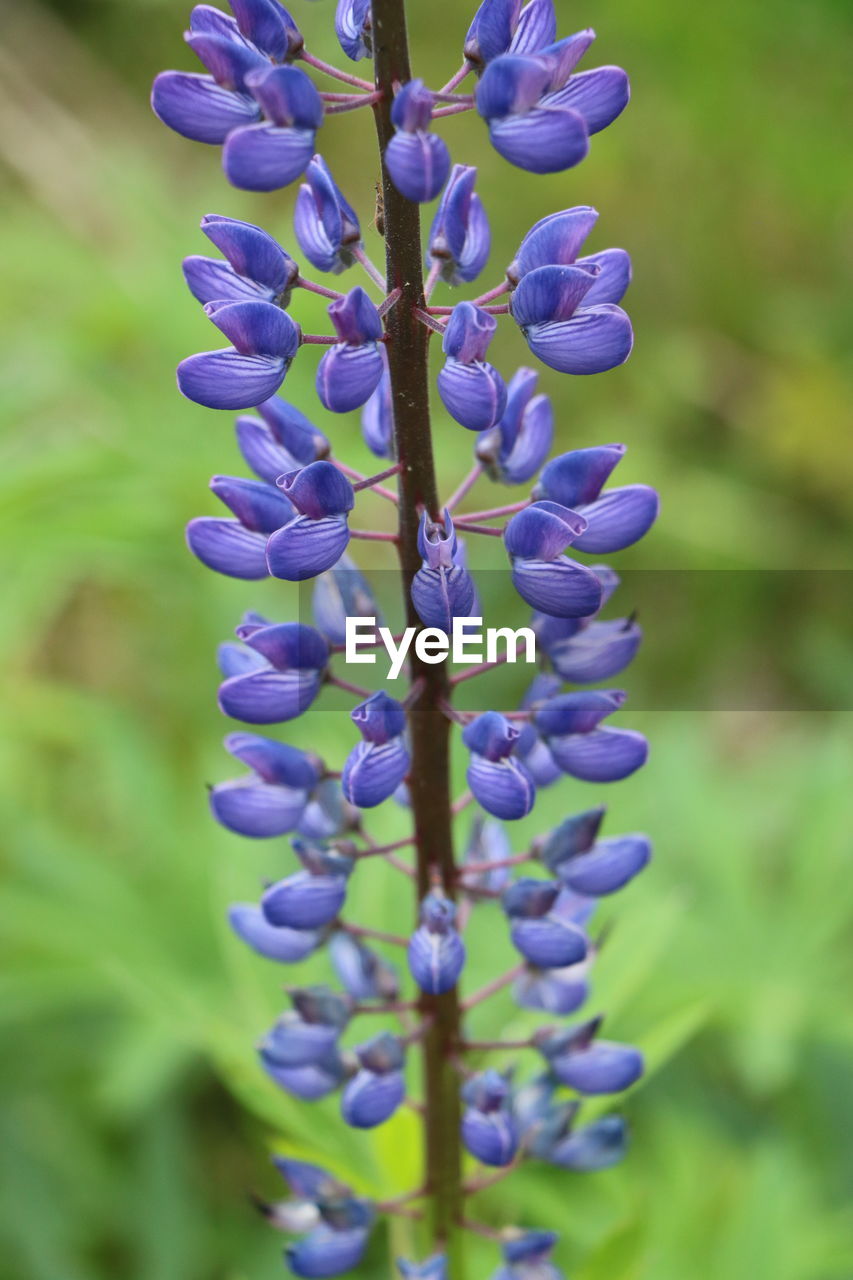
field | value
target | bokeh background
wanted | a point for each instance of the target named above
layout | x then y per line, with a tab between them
134	1119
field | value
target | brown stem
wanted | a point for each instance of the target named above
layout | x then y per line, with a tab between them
429	780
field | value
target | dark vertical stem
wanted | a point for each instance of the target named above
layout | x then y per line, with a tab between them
429	784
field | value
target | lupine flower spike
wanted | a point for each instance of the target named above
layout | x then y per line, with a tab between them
262	99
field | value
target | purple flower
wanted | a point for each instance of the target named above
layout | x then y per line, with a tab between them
303	1041
354	28
570	724
375	768
442	589
514	449
557	240
542	935
471	389
265	115
588	1065
269	155
459	238
541	575
530	748
280	441
489	1130
339	593
502	26
282	677
562	329
274	943
499	782
310	898
377	416
528	1257
350	371
593	1147
309	1083
556	991
271	800
327	1252
418	161
378	1088
434	1268
540	115
436	951
615	518
237	547
362	972
326	226
256	268
487	842
264	341
315	539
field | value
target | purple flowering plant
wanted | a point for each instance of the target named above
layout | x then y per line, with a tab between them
262	99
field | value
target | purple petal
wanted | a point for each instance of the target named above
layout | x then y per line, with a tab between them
370	1099
619	518
541	141
262	452
576	478
372	772
491	31
327	1252
554	240
578	712
260	507
355	318
598	652
286	644
418	164
602	1068
561	587
264	157
563	56
256	328
609	865
209	280
228	547
491	1139
509	85
440	595
599	96
294	431
197	107
352	26
268	26
377	418
251	251
550	294
269	697
605	755
229	61
594	340
549	943
305	547
228	380
594	1147
537	27
294	1043
348	375
542	531
614	276
308	1083
468	333
274	761
303	901
257	809
554	991
504	788
473	394
288	946
436	960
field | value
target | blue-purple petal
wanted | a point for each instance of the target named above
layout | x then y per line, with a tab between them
541	141
288	946
418	164
372	772
228	547
306	547
348	375
504	788
259	810
304	901
265	157
605	755
548	942
594	340
561	587
370	1098
196	107
228	380
619	518
599	96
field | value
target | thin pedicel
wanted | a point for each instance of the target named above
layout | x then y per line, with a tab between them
258	102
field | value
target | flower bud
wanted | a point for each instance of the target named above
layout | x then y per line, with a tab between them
436	951
326	226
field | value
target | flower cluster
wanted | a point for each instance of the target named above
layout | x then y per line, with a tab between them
296	521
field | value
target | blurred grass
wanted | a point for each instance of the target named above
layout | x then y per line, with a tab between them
134	1118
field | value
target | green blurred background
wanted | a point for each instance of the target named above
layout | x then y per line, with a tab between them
134	1119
